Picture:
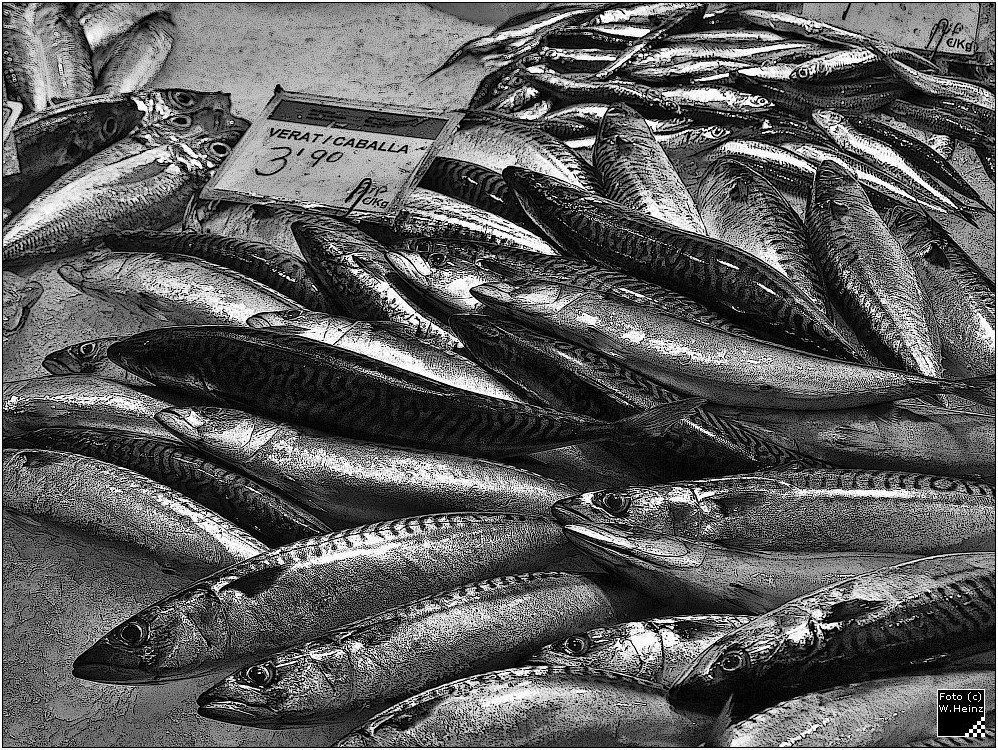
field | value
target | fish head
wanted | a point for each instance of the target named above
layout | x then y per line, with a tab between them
829	120
166	102
626	648
95	269
443	275
233	435
810	70
528	298
290	687
212	148
85	357
741	659
668	509
174	638
541	190
633	547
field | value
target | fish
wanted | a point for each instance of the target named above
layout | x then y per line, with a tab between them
961	296
300	591
657	650
713	272
576	120
146	191
864	95
19	296
172	289
691	69
443	281
103	23
790	172
887	437
136	57
278	270
870	277
349	482
475	185
257	222
649	65
481	626
853	62
46	54
691	577
942	117
692	358
312	384
740	207
90	358
390	343
496	142
888	712
122	508
251	506
535	707
351	270
55	140
901	615
638	174
938	85
801	510
570	377
81	402
680	144
880	155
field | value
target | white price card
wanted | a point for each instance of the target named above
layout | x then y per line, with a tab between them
11	111
342	157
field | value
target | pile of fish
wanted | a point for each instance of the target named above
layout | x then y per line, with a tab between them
569	454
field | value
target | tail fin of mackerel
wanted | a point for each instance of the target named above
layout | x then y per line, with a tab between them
980	389
657	421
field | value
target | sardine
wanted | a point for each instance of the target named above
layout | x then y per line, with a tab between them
283	272
853	62
482	626
740	207
19	296
644	67
290	377
249	505
870	277
938	85
136	57
302	590
680	144
90	358
657	650
575	120
123	508
389	343
351	482
692	577
800	98
638	174
693	358
800	510
889	712
172	289
475	185
146	191
717	274
536	707
910	613
82	402
938	116
961	296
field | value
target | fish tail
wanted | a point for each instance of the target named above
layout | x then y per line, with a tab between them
965	214
980	389
657	421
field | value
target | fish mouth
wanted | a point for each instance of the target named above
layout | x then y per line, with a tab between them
90	666
231	711
596	542
566	514
71	274
181	421
496	293
57	366
408	267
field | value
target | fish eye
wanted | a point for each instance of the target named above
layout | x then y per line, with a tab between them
734	660
220	149
133	633
436	259
577	645
87	349
257	675
110	126
184	99
181	121
615	504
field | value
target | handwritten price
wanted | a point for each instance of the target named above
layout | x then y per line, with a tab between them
281	160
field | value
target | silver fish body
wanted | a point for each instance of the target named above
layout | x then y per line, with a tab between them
123	507
250	221
535	707
136	57
90	358
173	289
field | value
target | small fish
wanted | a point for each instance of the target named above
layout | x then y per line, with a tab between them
693	577
800	510
124	508
305	589
136	57
638	174
886	619
942	116
90	358
869	275
536	707
889	712
172	289
800	98
938	85
486	625
657	650
349	482
249	505
19	296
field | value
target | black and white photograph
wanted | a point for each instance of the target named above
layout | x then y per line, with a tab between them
498	374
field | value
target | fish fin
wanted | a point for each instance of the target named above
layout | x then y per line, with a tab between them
980	389
838	209
606	344
658	420
935	255
967	216
256	582
721	724
739	192
850	609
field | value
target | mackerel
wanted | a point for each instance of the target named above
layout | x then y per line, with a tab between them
90	358
475	185
249	221
136	57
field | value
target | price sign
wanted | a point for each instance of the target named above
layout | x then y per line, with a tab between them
946	28
343	157
11	111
